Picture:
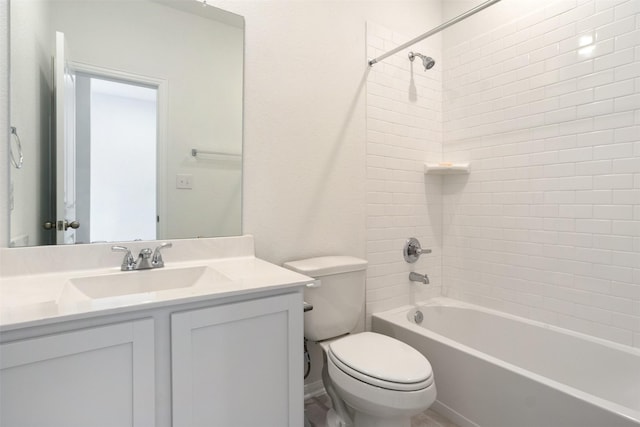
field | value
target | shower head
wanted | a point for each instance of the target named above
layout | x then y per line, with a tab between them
427	61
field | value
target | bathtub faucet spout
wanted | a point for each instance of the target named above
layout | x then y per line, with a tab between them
417	277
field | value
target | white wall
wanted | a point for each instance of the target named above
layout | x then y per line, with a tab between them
305	129
4	122
485	20
30	98
547	225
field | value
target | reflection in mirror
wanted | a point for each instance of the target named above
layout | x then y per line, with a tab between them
110	99
120	121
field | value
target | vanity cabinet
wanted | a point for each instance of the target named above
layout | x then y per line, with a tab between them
238	364
230	362
100	376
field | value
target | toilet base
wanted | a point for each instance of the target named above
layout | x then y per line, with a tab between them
365	420
333	420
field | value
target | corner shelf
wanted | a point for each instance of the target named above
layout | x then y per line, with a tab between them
447	168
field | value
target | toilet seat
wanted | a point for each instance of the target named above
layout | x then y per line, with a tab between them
381	361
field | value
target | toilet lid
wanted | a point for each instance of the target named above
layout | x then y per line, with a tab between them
371	356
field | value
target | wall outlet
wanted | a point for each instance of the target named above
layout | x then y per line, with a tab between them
184	181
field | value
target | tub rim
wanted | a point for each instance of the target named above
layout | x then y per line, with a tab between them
404	315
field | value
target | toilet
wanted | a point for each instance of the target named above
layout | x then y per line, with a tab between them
373	380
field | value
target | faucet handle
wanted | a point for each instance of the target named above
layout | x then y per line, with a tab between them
157	260
413	250
128	263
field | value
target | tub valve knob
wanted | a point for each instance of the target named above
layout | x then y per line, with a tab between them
413	250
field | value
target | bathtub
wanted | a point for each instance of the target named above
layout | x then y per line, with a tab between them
496	370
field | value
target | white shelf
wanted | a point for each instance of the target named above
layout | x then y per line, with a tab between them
447	168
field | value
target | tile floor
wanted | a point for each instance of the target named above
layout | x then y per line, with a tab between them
315	408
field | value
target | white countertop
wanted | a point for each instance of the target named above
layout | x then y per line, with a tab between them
33	299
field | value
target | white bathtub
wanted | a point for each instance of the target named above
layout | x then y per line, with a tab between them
497	370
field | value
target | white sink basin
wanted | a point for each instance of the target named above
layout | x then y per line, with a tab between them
140	286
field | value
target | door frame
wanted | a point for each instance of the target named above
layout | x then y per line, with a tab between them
162	86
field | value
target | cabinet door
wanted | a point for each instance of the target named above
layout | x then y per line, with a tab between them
94	377
239	365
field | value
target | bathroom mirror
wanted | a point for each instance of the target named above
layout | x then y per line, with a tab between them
128	115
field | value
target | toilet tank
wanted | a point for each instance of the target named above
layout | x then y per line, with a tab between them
337	296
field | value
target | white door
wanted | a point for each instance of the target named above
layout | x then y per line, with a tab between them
64	90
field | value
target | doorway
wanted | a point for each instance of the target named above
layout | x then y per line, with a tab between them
116	159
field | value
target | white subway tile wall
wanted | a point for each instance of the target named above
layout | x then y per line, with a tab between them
547	225
404	129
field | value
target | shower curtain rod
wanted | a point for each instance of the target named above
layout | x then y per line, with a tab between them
435	30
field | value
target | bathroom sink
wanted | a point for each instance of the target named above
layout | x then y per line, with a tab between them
140	286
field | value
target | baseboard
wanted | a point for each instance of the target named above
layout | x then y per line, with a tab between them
452	415
313	389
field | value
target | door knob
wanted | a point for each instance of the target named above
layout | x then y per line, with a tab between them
48	225
73	224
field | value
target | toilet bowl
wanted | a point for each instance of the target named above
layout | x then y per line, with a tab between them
373	380
382	381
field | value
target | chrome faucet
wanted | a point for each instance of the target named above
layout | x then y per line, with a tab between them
144	260
417	277
128	263
157	261
147	258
